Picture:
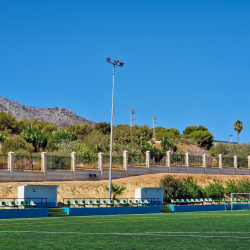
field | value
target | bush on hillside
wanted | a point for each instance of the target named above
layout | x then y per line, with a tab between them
17	143
214	190
242	186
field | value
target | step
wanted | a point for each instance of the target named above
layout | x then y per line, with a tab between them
57	212
165	209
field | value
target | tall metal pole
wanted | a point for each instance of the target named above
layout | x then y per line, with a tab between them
111	135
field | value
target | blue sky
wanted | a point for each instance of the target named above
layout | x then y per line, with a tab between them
187	62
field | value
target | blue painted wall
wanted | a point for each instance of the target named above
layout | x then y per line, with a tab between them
88	211
200	208
23	213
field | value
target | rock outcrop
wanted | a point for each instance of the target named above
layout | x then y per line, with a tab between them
57	116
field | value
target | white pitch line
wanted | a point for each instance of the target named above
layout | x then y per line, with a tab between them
130	234
198	232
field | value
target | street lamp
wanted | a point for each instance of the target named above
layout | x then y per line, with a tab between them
115	63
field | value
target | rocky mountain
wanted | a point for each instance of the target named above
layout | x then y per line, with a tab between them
57	116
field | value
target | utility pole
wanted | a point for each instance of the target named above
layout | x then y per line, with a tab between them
132	120
154	122
230	138
230	142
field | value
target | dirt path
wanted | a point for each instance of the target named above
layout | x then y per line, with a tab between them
96	189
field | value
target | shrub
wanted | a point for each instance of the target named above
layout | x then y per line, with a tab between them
192	189
15	144
173	188
214	190
177	189
231	187
244	186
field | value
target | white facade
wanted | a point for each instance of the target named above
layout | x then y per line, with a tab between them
36	192
155	194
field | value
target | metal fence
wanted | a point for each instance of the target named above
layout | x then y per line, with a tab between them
158	160
3	162
212	162
228	162
178	160
117	162
242	163
30	163
86	162
136	160
58	162
195	161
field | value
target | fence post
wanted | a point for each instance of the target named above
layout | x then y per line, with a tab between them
236	164
125	161
11	164
73	164
220	163
169	161
44	165
100	163
205	163
248	162
148	161
187	161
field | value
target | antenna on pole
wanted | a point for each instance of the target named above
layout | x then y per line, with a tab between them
132	119
154	122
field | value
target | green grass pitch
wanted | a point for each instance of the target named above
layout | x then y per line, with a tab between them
203	230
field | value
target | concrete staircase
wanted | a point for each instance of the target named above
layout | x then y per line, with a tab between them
57	212
165	209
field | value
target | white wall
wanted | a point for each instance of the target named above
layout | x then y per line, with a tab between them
145	193
39	191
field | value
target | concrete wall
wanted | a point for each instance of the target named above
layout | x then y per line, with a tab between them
24	213
28	176
196	170
133	171
158	169
229	171
83	175
179	169
116	174
88	211
5	176
213	171
60	175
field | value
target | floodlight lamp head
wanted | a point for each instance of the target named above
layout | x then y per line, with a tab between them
108	59
121	64
116	61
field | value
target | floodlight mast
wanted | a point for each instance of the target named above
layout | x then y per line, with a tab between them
115	63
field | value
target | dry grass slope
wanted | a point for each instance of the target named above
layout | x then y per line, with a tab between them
96	189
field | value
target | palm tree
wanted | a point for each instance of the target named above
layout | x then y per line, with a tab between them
115	189
238	127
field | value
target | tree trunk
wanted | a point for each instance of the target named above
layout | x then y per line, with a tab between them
238	138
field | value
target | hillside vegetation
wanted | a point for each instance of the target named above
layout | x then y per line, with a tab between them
32	136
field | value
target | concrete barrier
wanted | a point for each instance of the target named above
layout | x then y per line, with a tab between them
24	213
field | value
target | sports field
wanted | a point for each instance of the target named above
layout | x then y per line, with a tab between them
203	230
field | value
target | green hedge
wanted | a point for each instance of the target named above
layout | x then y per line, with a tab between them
189	189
